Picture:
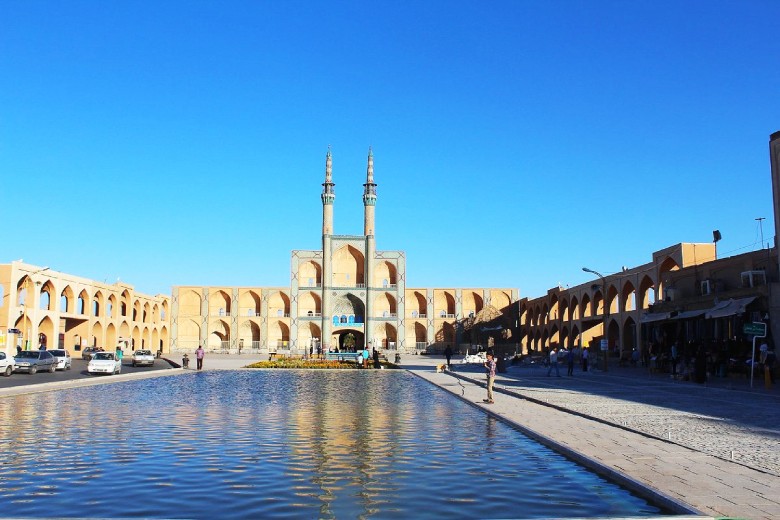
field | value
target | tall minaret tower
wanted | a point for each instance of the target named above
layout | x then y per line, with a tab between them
369	203
328	197
369	197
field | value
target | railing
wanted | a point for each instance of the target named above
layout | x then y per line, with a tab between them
310	314
445	316
388	315
307	285
250	312
421	316
219	313
421	345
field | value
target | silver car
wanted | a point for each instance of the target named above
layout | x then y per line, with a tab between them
33	361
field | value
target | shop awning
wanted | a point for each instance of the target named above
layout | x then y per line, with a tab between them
686	315
650	317
729	307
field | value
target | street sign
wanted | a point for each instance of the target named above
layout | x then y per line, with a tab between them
755	329
14	331
604	345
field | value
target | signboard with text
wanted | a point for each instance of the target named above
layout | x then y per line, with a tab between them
754	329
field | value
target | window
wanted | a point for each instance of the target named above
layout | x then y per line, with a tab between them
753	278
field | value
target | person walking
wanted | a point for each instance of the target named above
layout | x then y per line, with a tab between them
375	356
585	359
490	371
448	355
570	362
553	362
674	354
199	356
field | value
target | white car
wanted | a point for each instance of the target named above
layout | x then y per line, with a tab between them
143	357
7	364
63	358
104	363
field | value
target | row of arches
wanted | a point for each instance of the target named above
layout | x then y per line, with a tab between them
221	303
348	266
87	301
572	317
96	334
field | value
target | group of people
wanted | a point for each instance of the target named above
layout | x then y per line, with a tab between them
569	357
363	356
199	355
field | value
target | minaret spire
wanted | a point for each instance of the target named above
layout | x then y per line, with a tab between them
369	196
328	196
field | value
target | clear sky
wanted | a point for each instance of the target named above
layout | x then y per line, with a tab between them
183	143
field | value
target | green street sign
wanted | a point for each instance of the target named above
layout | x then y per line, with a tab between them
755	329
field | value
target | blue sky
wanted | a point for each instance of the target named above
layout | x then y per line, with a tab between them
177	143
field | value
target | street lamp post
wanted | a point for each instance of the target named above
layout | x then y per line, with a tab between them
605	314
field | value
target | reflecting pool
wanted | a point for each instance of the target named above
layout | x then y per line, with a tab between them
297	444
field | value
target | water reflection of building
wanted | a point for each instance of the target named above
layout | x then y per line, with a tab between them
346	291
60	310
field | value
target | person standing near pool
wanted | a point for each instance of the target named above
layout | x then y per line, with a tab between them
199	356
490	371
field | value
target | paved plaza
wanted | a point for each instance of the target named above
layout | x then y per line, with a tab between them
714	447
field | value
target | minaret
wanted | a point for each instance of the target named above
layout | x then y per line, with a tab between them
369	203
369	197
328	196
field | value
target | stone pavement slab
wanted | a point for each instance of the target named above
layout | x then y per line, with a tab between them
584	421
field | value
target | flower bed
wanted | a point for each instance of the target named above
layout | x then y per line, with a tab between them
310	363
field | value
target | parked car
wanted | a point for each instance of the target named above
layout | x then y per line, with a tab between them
63	358
88	352
6	364
33	361
143	357
104	363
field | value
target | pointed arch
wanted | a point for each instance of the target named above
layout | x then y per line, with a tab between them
472	303
279	305
219	303
628	297
249	303
189	303
111	339
67	303
385	275
348	264
310	274
309	304
44	296
46	333
499	299
385	305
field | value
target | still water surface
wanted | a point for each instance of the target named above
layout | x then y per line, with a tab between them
295	444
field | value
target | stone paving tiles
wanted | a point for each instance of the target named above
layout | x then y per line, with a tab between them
714	448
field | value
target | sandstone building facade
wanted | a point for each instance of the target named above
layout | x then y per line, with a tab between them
40	306
348	291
